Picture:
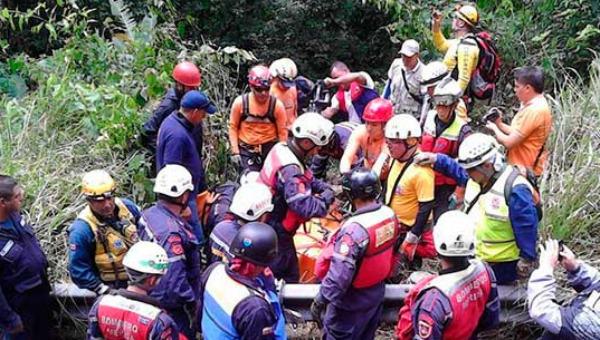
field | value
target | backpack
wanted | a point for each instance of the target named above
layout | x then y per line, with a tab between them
404	329
270	116
486	74
530	177
216	207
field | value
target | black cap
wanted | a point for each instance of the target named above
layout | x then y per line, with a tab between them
361	183
255	242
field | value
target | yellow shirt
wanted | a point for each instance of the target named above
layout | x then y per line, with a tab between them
460	53
416	185
534	123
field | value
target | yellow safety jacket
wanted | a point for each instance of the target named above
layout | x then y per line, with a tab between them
494	237
461	53
111	244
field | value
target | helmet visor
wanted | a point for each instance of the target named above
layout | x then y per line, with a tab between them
445	100
101	197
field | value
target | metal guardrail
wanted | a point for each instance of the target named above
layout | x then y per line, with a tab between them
298	297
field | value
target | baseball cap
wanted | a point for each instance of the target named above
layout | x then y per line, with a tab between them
198	100
409	48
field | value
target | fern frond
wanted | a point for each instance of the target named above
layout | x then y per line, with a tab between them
120	10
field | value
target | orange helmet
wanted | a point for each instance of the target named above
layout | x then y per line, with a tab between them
259	76
378	110
187	74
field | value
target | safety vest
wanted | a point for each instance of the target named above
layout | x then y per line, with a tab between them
122	318
494	237
446	143
222	294
355	100
111	245
376	264
468	291
279	157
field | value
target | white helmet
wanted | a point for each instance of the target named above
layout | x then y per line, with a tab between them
477	149
173	180
251	201
146	257
433	73
454	234
402	126
313	126
447	92
284	68
249	177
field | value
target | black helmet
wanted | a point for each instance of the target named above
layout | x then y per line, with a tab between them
361	183
255	242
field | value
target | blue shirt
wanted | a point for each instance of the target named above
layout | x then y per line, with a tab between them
82	250
176	145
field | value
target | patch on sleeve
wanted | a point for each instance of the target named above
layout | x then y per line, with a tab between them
346	245
267	331
424	329
175	245
73	247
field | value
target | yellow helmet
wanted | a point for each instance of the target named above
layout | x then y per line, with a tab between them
468	14
97	183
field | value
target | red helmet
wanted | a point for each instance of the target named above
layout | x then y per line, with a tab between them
378	110
187	74
259	76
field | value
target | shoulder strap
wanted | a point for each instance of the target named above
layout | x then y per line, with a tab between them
409	163
508	185
418	99
245	107
539	155
271	110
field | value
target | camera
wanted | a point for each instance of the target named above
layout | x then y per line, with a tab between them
492	115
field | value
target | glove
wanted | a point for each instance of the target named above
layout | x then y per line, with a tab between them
425	158
103	289
409	246
525	267
316	309
236	159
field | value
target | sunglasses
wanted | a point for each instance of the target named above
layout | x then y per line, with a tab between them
260	89
101	197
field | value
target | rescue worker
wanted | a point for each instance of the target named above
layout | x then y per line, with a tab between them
283	87
24	288
368	139
355	91
410	188
462	52
505	213
433	74
403	87
238	300
463	299
362	257
578	319
256	122
334	149
526	136
101	235
187	77
163	224
130	313
251	202
298	196
176	145
443	132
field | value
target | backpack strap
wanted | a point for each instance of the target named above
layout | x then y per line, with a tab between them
508	185
418	99
245	107
539	155
271	110
409	163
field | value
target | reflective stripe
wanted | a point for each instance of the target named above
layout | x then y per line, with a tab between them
219	242
344	258
176	258
298	196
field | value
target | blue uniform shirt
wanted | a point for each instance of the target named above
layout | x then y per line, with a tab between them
82	250
22	266
176	145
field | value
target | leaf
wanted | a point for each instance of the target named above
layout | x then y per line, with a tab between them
587	32
120	10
